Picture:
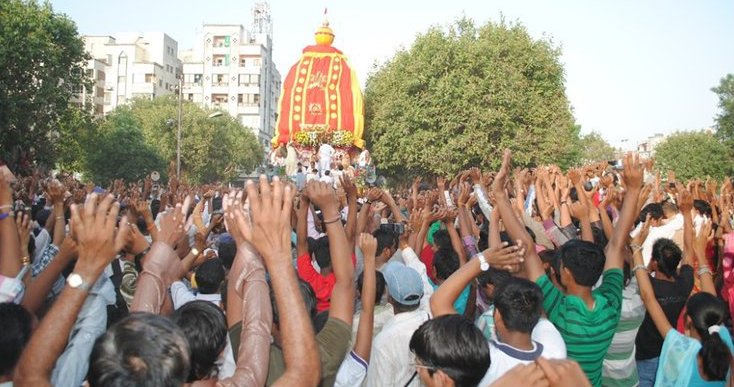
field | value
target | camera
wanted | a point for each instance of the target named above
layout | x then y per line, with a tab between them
396	228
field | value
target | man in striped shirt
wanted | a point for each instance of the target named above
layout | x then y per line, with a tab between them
586	319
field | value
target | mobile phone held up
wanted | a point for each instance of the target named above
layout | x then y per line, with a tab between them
396	228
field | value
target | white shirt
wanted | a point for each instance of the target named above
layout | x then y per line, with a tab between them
351	372
390	360
667	230
180	294
327	179
504	357
310	176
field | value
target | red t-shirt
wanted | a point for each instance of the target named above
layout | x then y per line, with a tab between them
322	285
427	259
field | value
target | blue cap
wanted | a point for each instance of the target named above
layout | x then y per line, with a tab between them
403	283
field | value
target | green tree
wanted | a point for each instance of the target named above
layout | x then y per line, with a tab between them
725	118
211	148
694	155
460	95
120	152
595	148
42	59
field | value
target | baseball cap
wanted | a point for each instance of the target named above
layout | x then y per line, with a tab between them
403	283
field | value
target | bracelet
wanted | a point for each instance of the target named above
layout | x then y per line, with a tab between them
336	219
142	254
368	202
25	261
703	270
151	227
638	267
635	248
4	206
5	215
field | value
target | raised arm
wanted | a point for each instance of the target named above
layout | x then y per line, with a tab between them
533	264
351	227
685	204
342	297
269	234
10	252
442	300
632	178
304	206
363	344
646	292
248	304
99	241
705	275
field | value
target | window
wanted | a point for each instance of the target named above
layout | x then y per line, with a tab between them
248	99
168	86
121	79
197	78
249	79
100	75
90	72
107	98
243	61
149	78
219	99
190	97
160	83
256	62
221	41
219	60
99	92
221	80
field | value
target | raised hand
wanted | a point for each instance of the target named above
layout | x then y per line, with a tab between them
55	192
368	245
685	200
94	229
633	171
505	257
172	224
270	213
374	194
500	181
350	189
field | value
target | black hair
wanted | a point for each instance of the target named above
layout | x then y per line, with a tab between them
379	282
42	216
155	207
402	308
654	209
441	238
327	172
453	345
16	323
493	276
483	242
205	328
141	225
446	262
143	349
385	239
703	207
209	276
706	310
520	302
552	258
309	298
226	251
320	250
667	254
320	320
585	261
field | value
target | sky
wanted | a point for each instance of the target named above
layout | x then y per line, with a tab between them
633	68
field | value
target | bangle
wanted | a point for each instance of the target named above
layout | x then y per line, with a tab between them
5	215
4	206
142	254
368	202
25	261
635	248
150	227
336	219
638	267
703	270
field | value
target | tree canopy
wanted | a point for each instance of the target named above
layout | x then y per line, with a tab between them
694	155
211	148
42	58
119	151
725	117
595	148
460	95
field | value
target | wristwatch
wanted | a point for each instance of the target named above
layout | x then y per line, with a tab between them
483	264
195	251
76	281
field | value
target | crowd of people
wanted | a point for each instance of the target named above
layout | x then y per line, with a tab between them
605	275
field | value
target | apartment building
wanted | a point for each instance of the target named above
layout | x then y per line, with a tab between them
231	69
135	65
94	95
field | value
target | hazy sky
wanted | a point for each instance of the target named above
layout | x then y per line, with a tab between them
633	68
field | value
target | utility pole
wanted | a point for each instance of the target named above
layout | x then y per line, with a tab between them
178	135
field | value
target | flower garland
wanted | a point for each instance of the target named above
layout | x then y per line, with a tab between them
316	135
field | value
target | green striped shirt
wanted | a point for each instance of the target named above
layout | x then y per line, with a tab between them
587	333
